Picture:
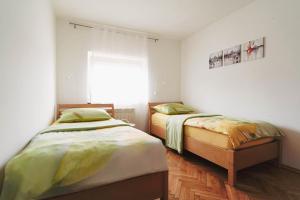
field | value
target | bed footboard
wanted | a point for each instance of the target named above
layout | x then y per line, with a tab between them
146	187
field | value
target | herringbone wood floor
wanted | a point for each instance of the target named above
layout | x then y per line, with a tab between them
193	178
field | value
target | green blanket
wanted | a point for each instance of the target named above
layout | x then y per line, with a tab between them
84	126
57	157
174	135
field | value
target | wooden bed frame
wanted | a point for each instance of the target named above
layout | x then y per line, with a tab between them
145	187
232	160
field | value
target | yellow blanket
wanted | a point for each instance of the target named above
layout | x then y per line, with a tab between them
238	131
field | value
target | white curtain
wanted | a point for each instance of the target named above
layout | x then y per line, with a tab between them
118	71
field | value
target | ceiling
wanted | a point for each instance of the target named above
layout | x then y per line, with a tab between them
167	18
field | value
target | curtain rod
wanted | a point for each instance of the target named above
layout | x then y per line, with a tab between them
86	26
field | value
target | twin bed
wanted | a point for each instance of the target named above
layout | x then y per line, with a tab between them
92	160
146	186
217	147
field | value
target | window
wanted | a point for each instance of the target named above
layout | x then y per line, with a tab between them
116	79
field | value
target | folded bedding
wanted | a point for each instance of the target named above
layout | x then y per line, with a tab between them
75	156
174	134
239	132
84	126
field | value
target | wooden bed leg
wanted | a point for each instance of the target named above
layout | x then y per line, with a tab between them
231	177
232	172
166	187
279	156
277	161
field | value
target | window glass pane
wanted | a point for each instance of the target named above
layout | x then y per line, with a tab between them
122	81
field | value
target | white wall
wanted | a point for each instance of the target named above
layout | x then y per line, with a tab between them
164	70
72	48
27	72
266	89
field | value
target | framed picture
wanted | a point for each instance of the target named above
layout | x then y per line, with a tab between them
216	59
253	50
232	55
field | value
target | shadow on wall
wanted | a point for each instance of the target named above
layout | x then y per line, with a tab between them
1	178
289	145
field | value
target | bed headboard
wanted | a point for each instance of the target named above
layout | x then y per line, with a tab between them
108	107
151	111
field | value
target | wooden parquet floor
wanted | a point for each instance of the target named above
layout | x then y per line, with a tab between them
193	178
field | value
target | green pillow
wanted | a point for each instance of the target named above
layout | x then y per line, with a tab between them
83	115
173	109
